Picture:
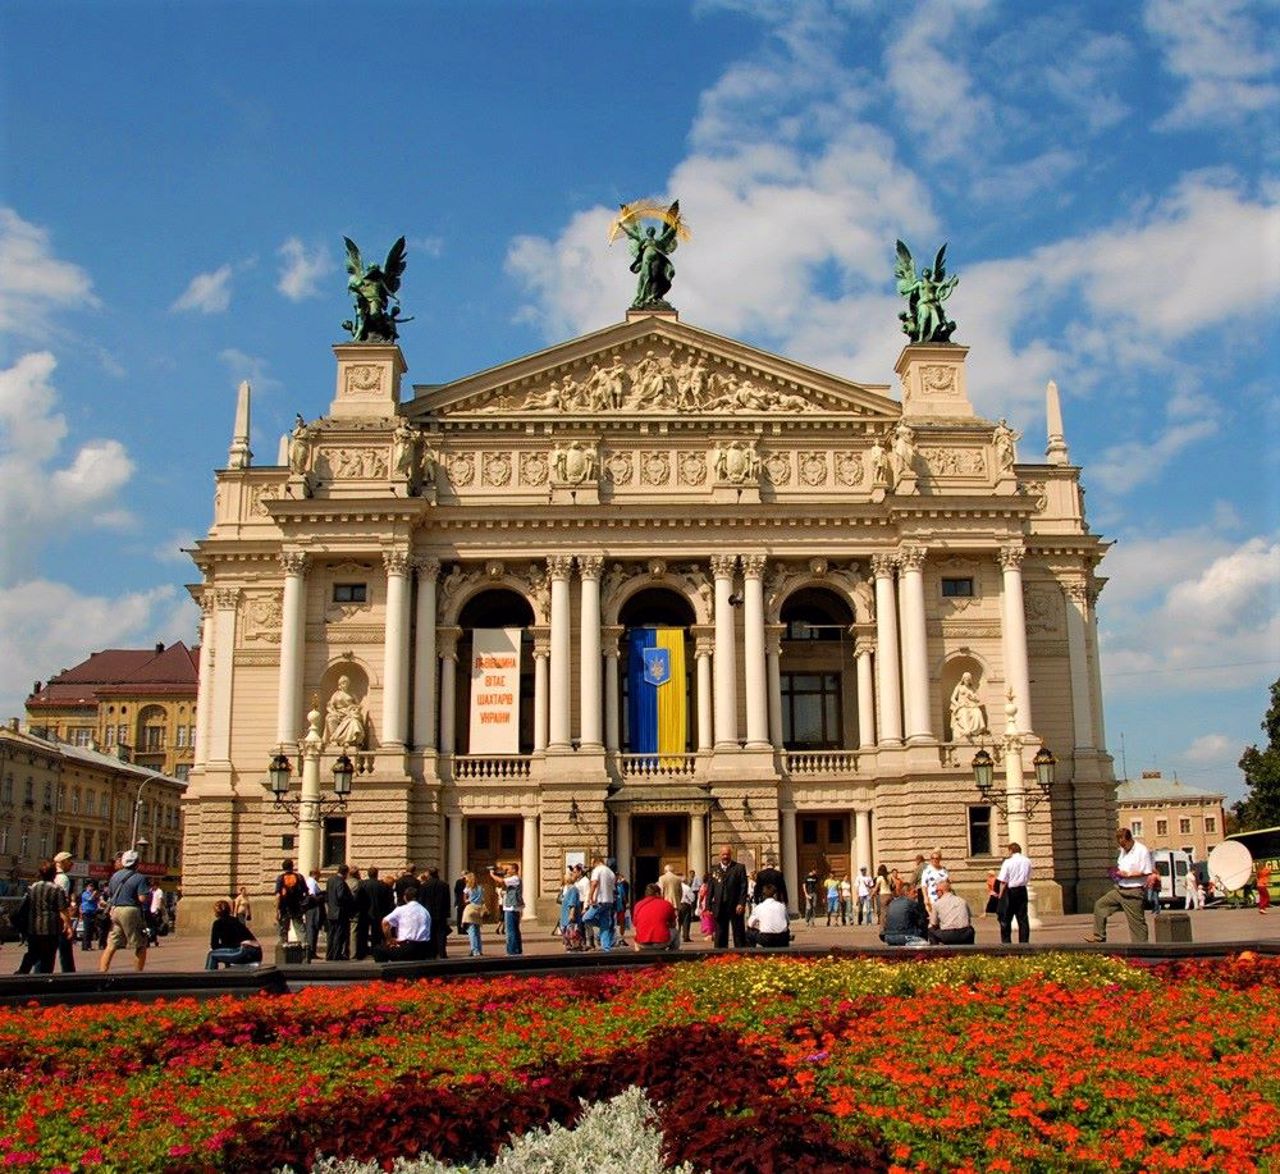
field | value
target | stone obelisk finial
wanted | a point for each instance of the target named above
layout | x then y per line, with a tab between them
1056	452
239	456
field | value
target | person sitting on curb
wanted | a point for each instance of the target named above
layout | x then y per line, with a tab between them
950	922
904	923
769	925
406	931
231	942
653	920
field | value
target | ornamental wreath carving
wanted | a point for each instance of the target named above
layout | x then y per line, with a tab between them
849	468
462	469
622	468
261	617
813	468
497	469
693	468
778	466
737	462
534	468
655	468
574	463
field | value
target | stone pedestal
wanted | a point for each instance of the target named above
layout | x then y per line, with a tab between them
933	382
368	380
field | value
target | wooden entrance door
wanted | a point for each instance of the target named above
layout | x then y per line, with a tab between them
656	841
822	842
493	840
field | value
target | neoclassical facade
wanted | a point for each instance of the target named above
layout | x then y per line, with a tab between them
852	589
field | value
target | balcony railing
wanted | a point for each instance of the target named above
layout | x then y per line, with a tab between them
472	767
821	762
657	766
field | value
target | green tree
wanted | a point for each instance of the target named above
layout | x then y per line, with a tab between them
1260	808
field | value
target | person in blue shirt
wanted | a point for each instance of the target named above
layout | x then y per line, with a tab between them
127	896
88	914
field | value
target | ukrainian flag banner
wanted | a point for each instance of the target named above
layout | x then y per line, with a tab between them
656	708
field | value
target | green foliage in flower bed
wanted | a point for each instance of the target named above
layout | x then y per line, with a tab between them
1071	1062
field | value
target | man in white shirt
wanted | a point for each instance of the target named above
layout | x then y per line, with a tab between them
950	921
603	881
1130	874
410	925
1011	894
769	925
930	875
866	886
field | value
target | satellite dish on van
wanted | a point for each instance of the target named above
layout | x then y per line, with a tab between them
1231	863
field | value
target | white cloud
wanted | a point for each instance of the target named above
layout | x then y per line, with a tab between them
1212	749
38	496
1219	51
1123	467
207	293
33	282
302	270
46	626
250	367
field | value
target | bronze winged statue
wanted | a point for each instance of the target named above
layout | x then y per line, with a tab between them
651	252
924	319
374	289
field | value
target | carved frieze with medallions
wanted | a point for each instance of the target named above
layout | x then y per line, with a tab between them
850	470
496	468
534	468
260	617
955	462
655	468
622	468
813	468
777	465
693	468
462	468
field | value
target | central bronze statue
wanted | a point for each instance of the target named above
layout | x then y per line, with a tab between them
651	250
924	319
374	290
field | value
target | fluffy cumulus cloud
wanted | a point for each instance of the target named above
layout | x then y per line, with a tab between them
302	269
206	293
35	284
44	626
1192	611
44	490
1224	55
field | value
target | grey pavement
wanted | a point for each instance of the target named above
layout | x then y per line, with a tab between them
177	954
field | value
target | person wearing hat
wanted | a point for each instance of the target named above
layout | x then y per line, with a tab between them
127	896
66	944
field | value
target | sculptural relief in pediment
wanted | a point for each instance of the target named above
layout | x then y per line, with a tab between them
658	381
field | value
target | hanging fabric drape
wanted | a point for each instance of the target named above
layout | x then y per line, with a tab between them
656	702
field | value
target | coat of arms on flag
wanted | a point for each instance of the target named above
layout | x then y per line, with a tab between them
657	666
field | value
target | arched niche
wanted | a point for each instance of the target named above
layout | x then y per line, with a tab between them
818	684
495	606
953	670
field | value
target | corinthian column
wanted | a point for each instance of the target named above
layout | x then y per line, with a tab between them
449	690
726	669
773	663
589	640
915	650
1077	600
887	651
293	638
541	654
225	602
612	702
1014	632
702	653
395	652
863	648
204	694
559	566
753	651
424	655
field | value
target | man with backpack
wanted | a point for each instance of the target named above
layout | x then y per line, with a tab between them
291	903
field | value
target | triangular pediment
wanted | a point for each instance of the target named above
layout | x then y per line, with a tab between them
651	366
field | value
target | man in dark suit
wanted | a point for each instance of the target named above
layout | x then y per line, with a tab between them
435	896
374	900
770	874
339	904
729	899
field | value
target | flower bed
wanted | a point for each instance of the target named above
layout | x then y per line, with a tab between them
1071	1062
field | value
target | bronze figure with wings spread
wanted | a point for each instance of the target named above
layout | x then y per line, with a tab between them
651	252
374	289
924	319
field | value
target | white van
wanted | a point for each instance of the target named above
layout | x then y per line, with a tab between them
1172	864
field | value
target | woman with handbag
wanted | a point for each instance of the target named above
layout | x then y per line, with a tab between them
473	913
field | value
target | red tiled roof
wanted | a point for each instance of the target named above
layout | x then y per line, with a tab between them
115	670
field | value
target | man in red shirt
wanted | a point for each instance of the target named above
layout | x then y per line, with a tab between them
653	920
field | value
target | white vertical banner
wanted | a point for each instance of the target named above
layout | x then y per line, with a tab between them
495	691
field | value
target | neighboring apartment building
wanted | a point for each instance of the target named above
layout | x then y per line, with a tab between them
57	797
1166	813
141	699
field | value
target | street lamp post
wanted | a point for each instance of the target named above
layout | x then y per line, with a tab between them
137	811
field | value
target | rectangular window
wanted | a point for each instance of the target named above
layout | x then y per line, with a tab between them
182	771
181	736
957	588
507	837
1135	826
350	593
82	736
75	804
808	831
1162	827
154	736
1184	827
811	711
835	831
1211	825
111	735
335	841
979	830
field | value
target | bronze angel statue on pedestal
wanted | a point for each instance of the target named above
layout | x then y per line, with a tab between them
374	289
924	319
651	250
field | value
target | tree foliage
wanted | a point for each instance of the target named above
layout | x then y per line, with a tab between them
1260	808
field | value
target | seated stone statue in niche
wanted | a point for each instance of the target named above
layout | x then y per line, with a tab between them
344	722
967	719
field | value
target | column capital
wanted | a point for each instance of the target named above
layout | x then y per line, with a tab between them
773	634
541	643
864	646
703	646
293	562
590	565
448	639
911	556
724	565
1077	590
226	597
560	566
395	561
204	600
753	565
1010	556
610	636
427	566
882	565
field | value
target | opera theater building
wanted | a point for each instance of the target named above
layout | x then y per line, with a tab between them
642	593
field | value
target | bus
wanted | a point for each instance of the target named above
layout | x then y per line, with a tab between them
1264	847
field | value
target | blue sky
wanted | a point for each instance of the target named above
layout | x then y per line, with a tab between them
175	180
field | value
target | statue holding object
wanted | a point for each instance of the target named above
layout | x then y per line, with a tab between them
924	319
651	249
374	289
